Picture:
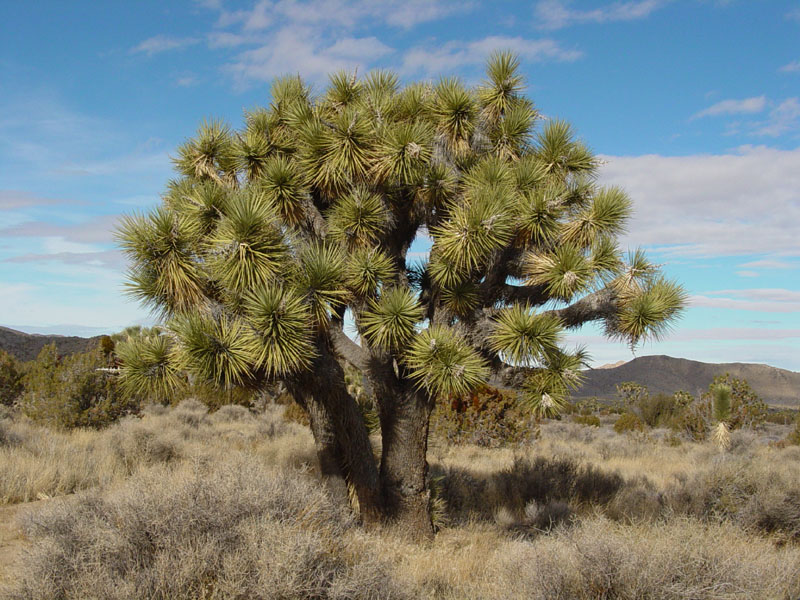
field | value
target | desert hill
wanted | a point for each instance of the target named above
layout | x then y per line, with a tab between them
665	374
26	346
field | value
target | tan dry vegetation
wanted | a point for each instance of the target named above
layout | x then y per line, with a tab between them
183	504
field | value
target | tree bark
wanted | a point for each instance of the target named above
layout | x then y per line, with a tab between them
341	438
404	416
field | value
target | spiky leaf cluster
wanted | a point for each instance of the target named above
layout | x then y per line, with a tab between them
443	363
277	232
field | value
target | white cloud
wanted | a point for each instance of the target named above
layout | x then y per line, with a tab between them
455	54
792	67
784	118
556	14
162	43
711	205
297	49
734	107
748	273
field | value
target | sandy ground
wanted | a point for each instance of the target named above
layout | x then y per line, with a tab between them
12	541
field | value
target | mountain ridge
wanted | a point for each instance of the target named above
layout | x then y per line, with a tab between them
666	374
26	346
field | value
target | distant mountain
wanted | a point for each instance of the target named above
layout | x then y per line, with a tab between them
664	374
26	346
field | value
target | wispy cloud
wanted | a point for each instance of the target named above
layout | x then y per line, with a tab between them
792	67
734	107
106	258
768	263
760	300
339	13
784	118
713	205
452	55
16	199
163	43
557	14
95	230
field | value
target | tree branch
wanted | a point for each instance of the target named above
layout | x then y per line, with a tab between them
599	305
348	349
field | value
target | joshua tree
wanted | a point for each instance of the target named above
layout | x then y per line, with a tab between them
275	236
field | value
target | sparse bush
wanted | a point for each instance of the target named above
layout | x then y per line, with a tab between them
628	422
73	391
11	385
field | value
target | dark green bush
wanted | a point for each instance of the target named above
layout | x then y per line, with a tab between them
10	379
73	391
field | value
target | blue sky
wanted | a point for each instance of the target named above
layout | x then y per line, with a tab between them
694	105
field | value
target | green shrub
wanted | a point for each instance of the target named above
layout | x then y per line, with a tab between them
590	420
10	379
73	391
628	422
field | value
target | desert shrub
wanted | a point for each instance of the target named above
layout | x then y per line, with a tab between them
214	398
190	412
589	420
746	407
657	410
628	422
11	385
73	391
692	421
540	480
231	413
762	500
487	417
794	436
294	413
231	530
602	559
781	416
136	444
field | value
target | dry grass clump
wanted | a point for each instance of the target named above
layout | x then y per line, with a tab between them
598	558
231	529
37	461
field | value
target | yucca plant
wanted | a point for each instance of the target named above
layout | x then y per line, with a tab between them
275	236
722	412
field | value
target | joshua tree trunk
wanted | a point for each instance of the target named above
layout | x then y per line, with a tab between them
341	438
404	414
404	466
